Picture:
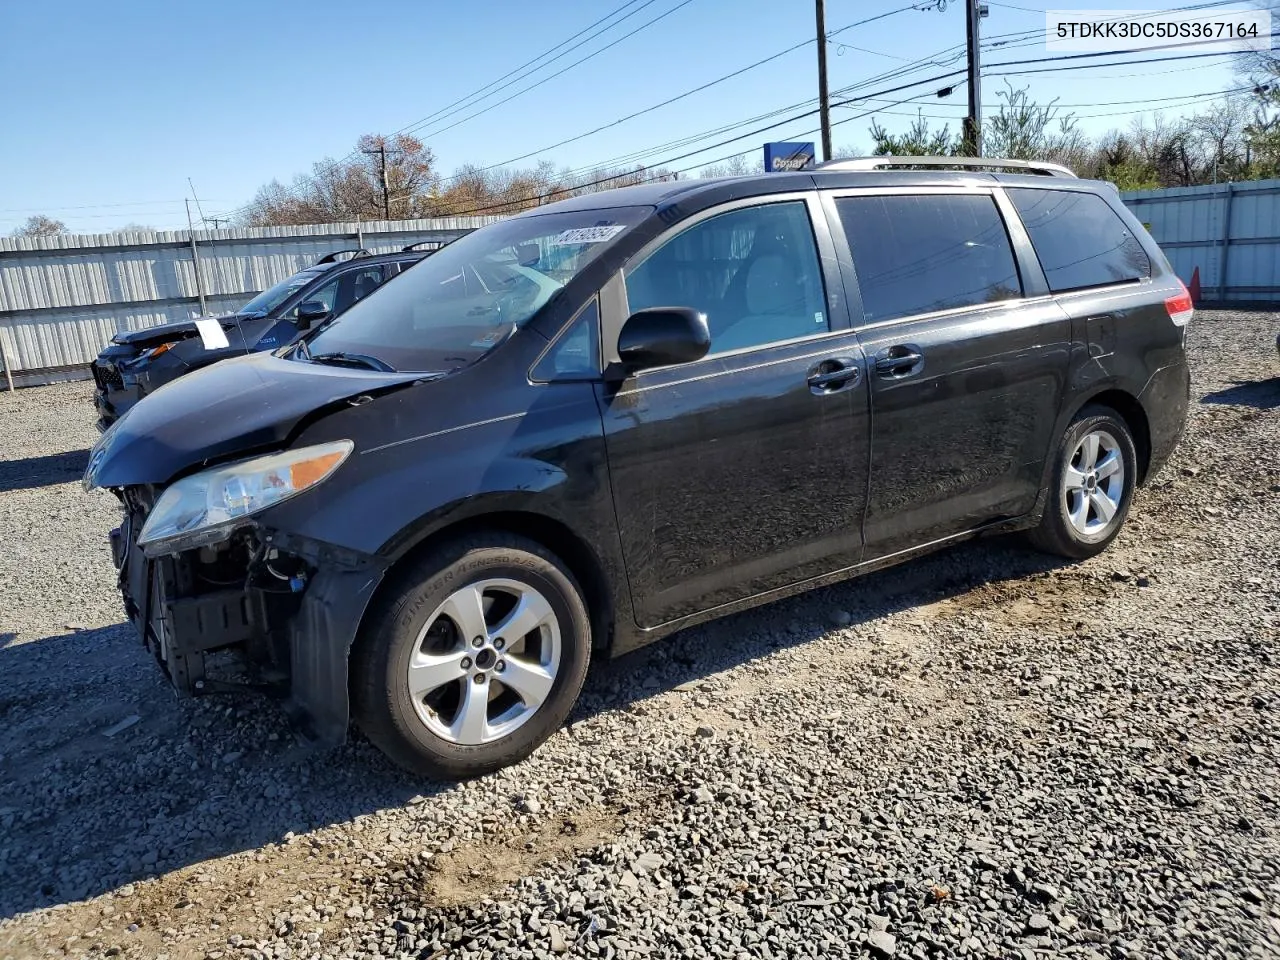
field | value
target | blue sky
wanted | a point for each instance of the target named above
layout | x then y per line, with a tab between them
110	107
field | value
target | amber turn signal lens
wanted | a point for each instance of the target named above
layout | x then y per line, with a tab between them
306	472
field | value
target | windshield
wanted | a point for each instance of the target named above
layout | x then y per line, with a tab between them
268	300
460	303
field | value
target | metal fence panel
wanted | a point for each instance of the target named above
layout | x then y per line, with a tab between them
1228	232
62	298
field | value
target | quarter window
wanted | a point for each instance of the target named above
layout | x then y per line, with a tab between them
753	272
918	254
576	355
1080	240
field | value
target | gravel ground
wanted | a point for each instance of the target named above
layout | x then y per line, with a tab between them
982	754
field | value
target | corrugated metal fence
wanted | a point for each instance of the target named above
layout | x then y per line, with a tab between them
62	298
1229	231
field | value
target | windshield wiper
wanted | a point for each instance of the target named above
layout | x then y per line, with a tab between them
352	360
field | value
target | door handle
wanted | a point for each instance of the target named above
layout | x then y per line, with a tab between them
833	374
901	360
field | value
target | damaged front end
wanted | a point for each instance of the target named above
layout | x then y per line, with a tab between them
203	468
281	611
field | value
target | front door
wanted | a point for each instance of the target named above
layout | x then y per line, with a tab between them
966	358
745	471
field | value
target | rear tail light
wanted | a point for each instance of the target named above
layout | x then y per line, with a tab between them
1180	307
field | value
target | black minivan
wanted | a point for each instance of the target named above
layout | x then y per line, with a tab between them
582	428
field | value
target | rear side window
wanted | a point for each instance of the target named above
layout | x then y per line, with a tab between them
1080	240
925	253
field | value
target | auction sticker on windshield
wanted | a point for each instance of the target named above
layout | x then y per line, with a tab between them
587	235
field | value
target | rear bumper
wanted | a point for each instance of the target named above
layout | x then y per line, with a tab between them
294	635
1166	400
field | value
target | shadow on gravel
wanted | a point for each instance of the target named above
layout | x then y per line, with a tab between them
1260	394
31	472
83	813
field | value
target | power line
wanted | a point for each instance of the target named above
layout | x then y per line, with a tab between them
1013	6
93	206
1188	99
802	133
1121	103
809	113
474	96
670	160
562	71
909	68
480	94
1090	66
698	89
417	125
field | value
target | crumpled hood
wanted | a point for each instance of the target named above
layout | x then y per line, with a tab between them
240	405
164	332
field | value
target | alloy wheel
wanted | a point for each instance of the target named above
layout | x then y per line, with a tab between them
1093	484
485	661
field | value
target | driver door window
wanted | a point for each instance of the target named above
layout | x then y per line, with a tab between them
754	272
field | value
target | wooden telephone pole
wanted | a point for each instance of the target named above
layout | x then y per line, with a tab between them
974	11
381	151
824	100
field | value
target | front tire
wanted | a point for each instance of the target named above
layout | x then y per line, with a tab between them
1095	471
472	658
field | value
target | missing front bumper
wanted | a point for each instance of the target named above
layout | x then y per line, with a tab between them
293	635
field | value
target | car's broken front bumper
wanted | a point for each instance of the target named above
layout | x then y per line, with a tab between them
114	394
289	608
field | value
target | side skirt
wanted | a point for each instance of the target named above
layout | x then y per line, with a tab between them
625	642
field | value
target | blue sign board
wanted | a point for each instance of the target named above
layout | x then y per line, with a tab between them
783	157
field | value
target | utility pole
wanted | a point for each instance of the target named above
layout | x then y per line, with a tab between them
195	258
199	209
381	151
974	11
824	101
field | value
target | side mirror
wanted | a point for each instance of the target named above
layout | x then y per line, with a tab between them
662	336
309	311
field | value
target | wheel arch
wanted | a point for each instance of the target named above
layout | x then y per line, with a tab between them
1130	409
554	535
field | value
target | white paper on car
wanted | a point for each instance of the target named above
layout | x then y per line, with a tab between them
212	335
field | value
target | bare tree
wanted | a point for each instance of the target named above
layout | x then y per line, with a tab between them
40	226
738	166
351	188
1219	137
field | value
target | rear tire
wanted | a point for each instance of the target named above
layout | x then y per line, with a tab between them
1095	470
473	656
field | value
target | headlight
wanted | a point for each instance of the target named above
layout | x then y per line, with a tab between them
157	351
204	507
149	354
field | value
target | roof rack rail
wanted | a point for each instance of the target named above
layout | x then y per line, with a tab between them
1040	167
437	244
333	257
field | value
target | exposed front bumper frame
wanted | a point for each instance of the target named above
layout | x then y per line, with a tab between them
179	630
